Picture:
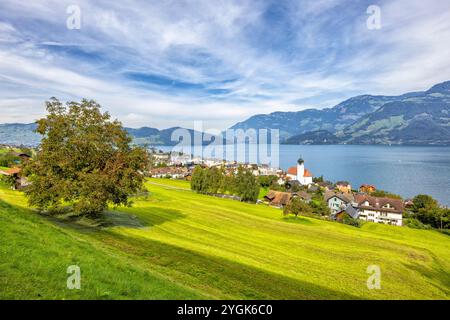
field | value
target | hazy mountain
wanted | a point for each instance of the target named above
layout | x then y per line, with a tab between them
23	134
411	118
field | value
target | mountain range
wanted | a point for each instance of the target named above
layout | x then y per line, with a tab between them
416	118
24	134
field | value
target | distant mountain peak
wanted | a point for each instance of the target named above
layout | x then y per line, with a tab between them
440	87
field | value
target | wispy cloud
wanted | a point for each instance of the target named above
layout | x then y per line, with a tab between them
165	63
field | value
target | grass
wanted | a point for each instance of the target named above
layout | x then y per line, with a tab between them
177	244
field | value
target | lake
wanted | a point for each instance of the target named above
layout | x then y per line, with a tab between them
404	170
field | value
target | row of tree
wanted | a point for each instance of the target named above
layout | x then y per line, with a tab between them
241	183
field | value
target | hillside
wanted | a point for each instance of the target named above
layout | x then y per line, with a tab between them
178	244
416	118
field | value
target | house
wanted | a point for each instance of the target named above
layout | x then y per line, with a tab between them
367	188
348	211
20	181
326	185
299	173
277	198
305	196
23	156
172	172
380	210
337	202
344	186
408	204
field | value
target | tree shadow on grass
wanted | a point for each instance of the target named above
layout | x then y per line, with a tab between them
140	218
115	218
217	277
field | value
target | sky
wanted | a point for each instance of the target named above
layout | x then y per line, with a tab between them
170	63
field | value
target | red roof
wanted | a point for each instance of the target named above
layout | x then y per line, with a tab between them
12	171
308	173
292	170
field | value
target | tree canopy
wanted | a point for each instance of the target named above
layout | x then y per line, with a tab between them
85	160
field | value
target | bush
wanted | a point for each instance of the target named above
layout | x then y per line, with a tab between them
352	222
415	224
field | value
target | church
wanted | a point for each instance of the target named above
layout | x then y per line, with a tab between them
299	173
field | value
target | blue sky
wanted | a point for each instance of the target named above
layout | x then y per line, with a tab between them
168	63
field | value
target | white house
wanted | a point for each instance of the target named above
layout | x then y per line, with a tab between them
367	208
380	210
299	173
337	202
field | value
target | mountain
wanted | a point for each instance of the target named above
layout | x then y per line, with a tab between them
23	134
314	137
330	119
422	119
415	118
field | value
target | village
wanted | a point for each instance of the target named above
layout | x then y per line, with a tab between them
342	201
340	198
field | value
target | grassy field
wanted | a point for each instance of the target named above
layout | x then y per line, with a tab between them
177	244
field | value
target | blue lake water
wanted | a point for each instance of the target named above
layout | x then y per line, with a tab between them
407	171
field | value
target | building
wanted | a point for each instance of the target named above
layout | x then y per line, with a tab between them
344	186
380	210
280	199
172	172
367	188
365	207
299	173
337	202
277	198
20	181
348	211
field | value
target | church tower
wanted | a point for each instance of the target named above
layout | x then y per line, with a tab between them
300	170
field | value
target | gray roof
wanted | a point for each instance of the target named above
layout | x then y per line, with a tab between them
352	212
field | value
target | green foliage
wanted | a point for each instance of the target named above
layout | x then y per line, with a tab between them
351	222
85	160
9	160
415	224
318	179
247	186
198	181
385	194
296	207
214	180
267	181
9	181
426	210
424	201
319	207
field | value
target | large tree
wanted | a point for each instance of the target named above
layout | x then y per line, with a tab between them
85	160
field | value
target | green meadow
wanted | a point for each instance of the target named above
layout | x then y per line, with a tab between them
175	244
